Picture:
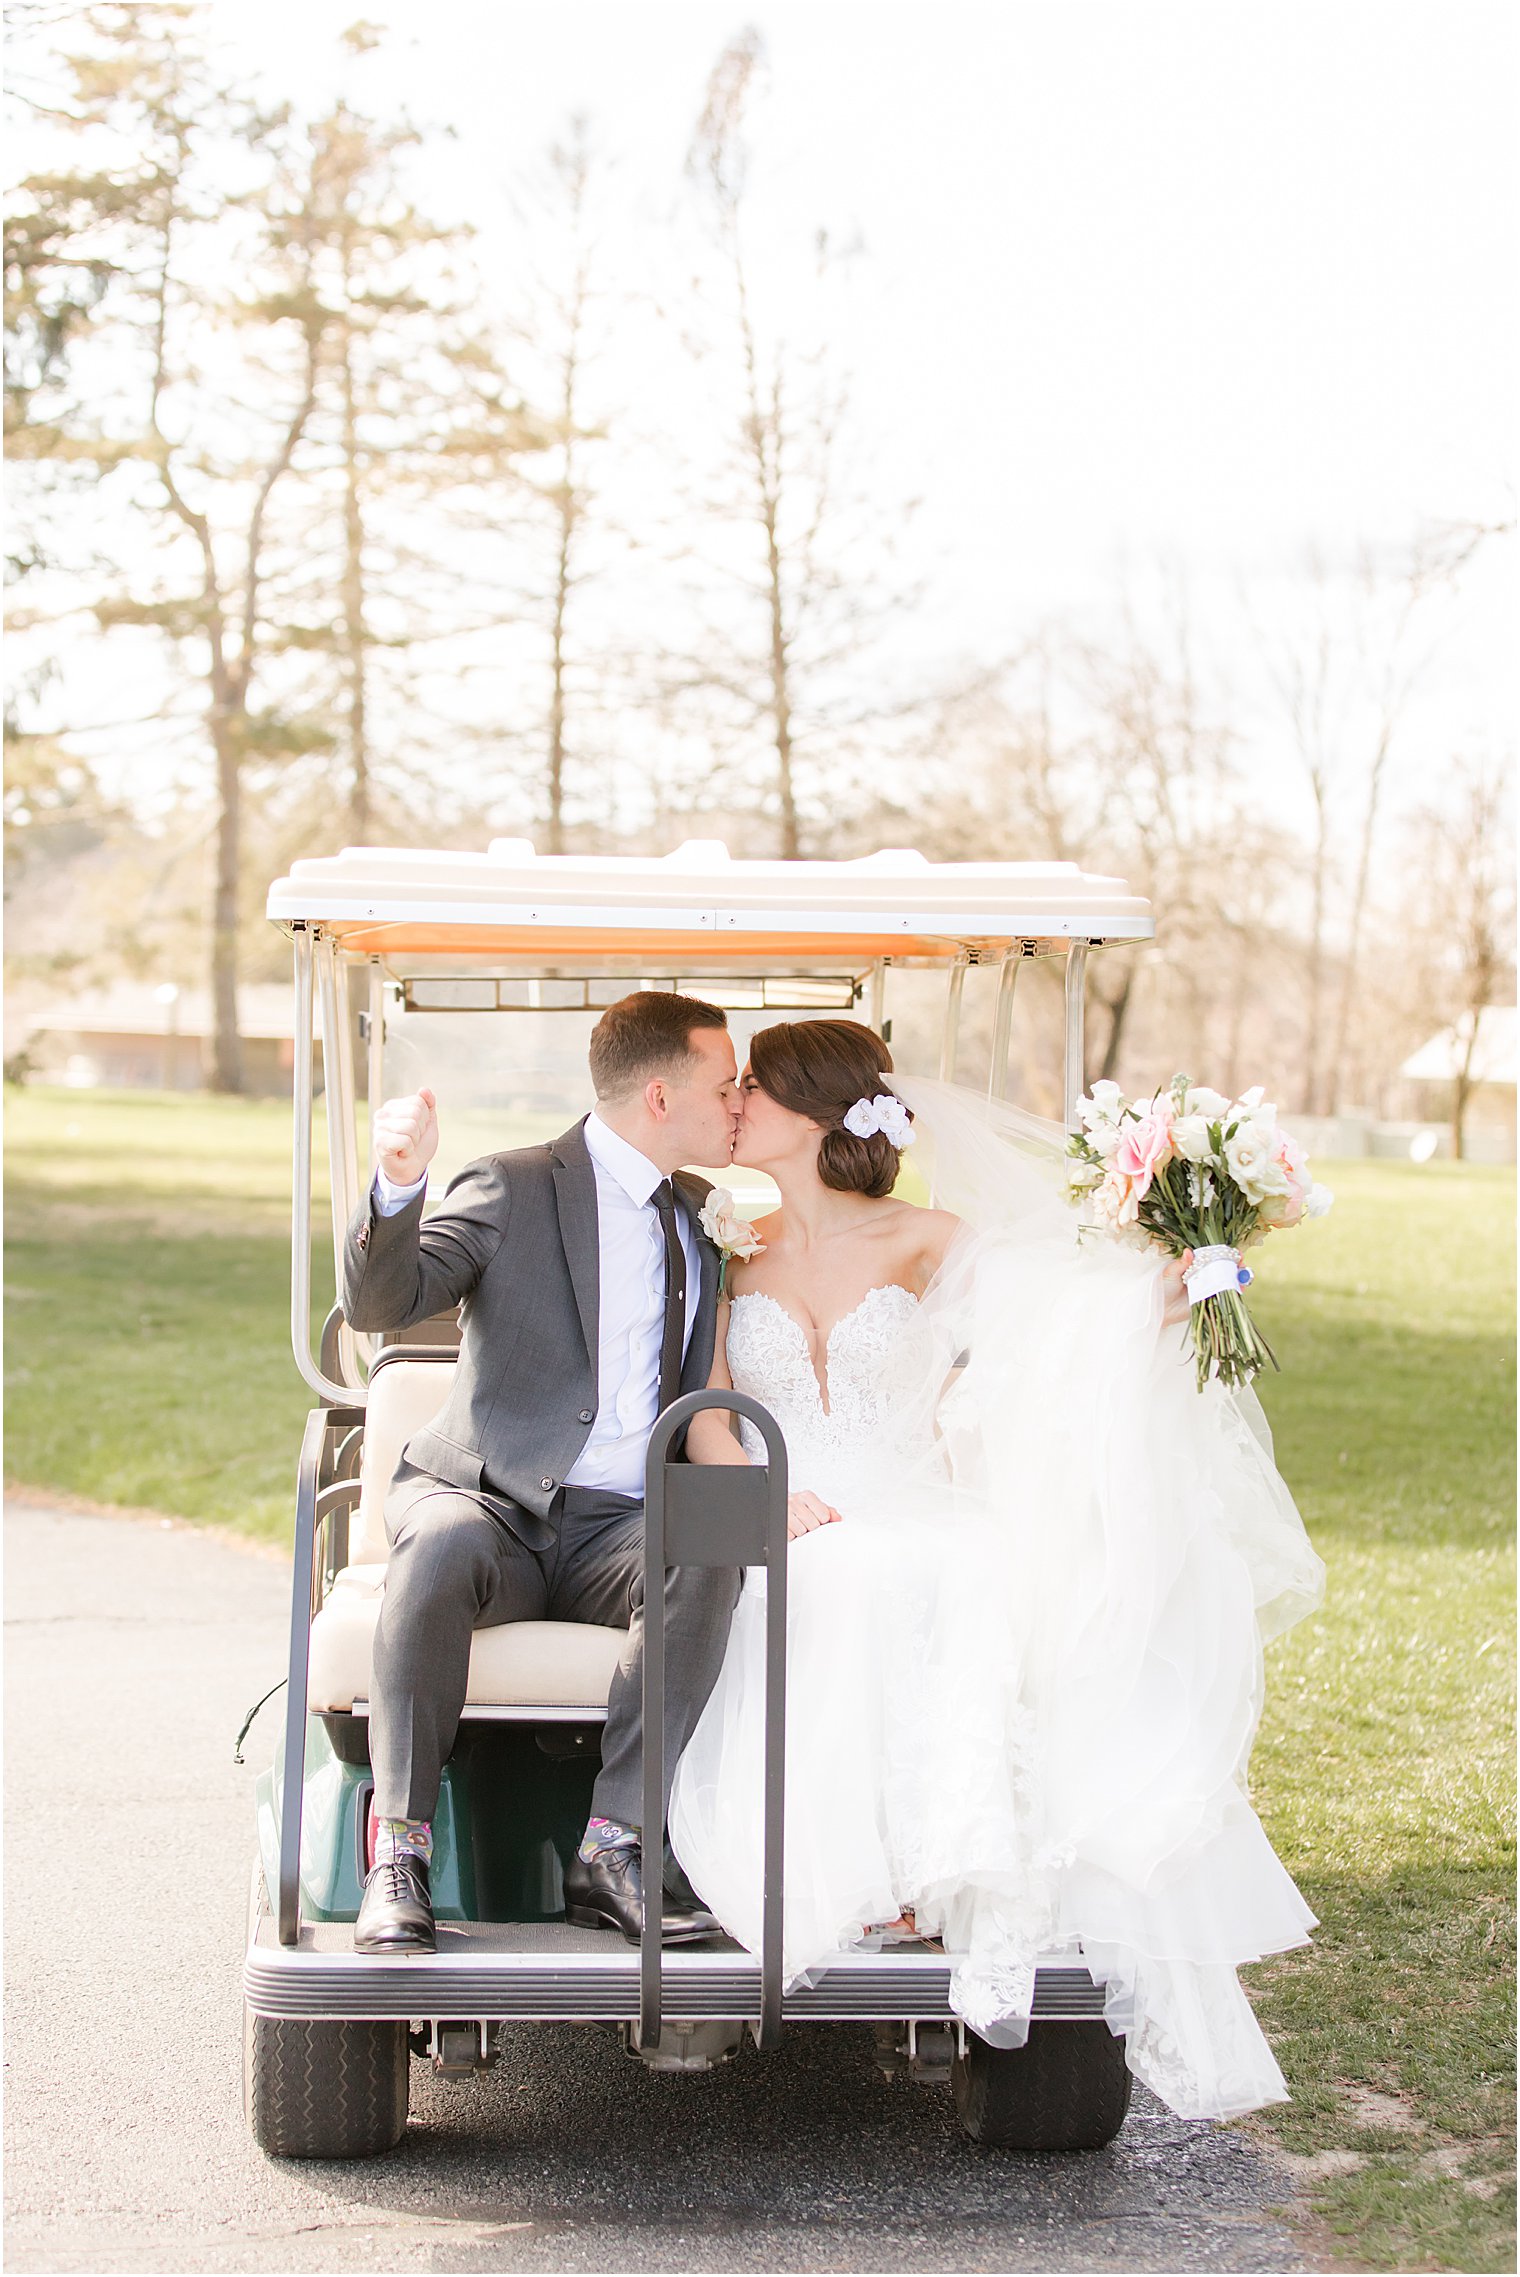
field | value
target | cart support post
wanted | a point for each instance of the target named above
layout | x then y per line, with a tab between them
325	1387
339	1101
1076	981
876	997
1002	1024
951	1037
374	1070
319	1423
721	1515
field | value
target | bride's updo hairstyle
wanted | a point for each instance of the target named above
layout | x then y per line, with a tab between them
820	1068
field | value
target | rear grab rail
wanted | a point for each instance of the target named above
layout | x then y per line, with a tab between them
724	1515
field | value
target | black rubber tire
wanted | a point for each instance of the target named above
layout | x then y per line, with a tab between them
317	2089
1066	2089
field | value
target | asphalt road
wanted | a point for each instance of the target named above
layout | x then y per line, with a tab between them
133	1650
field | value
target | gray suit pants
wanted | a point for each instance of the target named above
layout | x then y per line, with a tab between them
456	1565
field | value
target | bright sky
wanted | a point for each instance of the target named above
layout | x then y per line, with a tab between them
1177	281
1165	277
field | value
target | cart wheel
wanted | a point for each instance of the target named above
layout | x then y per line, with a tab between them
1067	2088
316	2089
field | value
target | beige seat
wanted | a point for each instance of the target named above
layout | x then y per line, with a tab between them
555	1667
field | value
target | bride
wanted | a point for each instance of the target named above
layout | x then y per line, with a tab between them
1031	1570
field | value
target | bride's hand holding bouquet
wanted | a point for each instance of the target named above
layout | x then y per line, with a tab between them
1189	1170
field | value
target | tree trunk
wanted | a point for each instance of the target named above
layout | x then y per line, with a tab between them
781	697
1359	906
1118	1009
1462	1090
353	614
557	687
1314	1012
227	1047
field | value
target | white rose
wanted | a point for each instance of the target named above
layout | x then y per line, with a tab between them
1102	1105
1252	1164
1200	1188
1202	1101
1190	1135
725	1228
1318	1201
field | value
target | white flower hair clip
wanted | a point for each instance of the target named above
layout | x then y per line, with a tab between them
885	1113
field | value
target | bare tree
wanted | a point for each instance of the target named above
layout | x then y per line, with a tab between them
1118	754
558	304
143	77
811	563
1466	856
1345	677
407	409
228	603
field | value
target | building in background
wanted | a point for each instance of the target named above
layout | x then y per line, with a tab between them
1433	1072
134	1036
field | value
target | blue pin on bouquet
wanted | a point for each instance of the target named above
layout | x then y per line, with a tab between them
1190	1169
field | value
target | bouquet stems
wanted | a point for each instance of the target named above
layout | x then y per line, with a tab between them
1226	1341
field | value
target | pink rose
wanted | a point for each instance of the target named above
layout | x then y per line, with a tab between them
1295	1164
1145	1147
1281	1210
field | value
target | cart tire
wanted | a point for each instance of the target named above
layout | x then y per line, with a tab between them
1067	2088
317	2089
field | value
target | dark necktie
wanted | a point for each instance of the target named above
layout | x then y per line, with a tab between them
673	1336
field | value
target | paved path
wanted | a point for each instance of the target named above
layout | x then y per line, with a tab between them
132	1652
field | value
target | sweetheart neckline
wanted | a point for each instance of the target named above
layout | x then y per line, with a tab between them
820	1383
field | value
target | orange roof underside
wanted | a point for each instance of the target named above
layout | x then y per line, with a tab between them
697	952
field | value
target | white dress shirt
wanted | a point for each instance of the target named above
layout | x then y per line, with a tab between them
631	1304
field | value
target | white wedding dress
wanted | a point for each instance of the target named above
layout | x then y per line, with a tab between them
1024	1670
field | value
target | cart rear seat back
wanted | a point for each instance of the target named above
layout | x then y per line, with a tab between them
559	1667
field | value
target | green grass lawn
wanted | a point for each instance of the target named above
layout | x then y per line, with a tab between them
1385	1767
149	1364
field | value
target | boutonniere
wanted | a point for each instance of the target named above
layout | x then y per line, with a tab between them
731	1235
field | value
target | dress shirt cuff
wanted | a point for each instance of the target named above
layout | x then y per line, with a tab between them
391	1200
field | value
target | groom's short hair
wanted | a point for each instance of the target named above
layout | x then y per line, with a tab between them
645	1035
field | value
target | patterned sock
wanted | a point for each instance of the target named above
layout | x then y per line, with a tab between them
606	1834
403	1838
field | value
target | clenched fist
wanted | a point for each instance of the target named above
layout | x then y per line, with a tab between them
806	1511
406	1137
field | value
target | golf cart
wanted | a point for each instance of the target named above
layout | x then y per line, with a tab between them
482	974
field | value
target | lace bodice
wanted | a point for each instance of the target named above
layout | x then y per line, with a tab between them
876	1356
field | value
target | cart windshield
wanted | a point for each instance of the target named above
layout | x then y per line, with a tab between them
508	1063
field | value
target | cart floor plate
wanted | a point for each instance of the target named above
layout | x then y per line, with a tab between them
551	1972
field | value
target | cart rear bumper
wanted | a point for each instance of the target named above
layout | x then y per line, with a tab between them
547	1972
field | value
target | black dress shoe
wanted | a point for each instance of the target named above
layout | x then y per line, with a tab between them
396	1915
607	1892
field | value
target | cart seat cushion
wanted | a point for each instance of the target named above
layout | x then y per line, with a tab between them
526	1664
404	1394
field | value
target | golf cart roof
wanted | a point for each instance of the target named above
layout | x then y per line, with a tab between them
414	910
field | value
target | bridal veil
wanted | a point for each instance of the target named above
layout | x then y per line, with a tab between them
1151	1549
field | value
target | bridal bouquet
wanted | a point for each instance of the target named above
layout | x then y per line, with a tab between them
1190	1169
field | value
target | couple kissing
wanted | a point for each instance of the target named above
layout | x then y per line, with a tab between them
980	1652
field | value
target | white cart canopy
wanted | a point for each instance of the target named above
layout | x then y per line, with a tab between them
511	909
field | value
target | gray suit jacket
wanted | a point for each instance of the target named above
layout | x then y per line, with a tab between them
516	1244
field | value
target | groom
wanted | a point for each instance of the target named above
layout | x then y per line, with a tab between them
590	1301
